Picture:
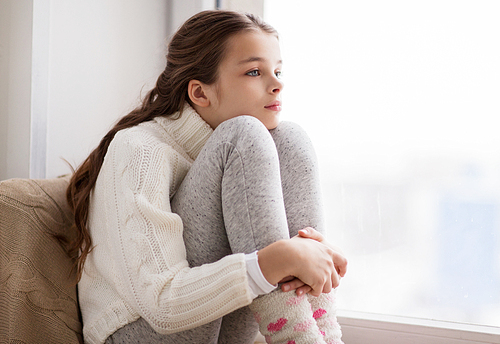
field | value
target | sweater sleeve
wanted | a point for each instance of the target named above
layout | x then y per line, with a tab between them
152	275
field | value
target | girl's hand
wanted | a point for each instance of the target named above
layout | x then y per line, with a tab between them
291	283
311	233
311	261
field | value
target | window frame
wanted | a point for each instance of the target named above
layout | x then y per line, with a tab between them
360	327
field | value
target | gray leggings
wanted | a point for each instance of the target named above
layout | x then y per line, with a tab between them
248	188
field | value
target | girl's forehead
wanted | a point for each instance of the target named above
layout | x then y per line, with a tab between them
251	46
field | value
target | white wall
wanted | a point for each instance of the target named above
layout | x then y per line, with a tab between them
69	69
15	87
102	54
183	9
251	6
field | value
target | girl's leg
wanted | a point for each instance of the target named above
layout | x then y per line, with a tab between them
301	191
231	201
299	177
141	332
325	314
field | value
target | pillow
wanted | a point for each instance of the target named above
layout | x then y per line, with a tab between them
38	293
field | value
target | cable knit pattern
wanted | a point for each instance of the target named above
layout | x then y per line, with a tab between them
138	267
38	301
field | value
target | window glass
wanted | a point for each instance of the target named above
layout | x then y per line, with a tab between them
402	101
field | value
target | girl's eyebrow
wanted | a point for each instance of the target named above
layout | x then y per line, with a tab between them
252	59
255	58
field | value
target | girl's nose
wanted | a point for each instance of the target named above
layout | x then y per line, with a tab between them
277	86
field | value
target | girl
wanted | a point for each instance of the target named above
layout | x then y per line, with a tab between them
186	208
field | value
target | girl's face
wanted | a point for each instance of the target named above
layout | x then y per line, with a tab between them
249	81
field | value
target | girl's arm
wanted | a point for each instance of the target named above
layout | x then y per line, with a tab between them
139	260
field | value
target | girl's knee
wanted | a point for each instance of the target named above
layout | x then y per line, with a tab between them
244	122
248	127
289	131
291	137
287	125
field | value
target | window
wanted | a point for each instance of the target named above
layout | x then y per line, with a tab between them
401	99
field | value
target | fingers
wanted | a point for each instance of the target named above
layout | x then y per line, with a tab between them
286	279
321	288
311	233
328	286
315	292
340	263
303	290
292	285
324	282
335	280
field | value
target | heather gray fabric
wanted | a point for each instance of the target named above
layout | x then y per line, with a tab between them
248	188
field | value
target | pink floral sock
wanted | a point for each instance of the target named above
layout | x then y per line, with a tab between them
285	318
324	309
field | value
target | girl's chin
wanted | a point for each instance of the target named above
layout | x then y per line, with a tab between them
270	122
271	125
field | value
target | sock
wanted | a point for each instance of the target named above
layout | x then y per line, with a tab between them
285	318
324	309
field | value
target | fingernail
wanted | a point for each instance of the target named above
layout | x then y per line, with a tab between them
286	288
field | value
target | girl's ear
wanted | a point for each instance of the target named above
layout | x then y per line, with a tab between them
198	94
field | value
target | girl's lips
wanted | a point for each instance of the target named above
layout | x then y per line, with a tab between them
274	106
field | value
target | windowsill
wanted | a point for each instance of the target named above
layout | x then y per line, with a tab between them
359	327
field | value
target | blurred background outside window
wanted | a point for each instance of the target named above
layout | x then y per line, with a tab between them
402	101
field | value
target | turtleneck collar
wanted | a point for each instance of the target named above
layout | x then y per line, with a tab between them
188	130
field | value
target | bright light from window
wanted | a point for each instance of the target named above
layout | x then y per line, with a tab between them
402	100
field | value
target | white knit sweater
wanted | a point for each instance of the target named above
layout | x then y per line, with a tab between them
138	267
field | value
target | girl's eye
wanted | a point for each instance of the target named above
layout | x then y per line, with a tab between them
278	74
254	72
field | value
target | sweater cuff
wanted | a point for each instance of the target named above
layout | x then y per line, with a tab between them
256	280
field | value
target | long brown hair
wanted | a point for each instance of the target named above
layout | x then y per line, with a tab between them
194	52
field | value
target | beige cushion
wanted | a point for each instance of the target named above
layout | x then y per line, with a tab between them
38	296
